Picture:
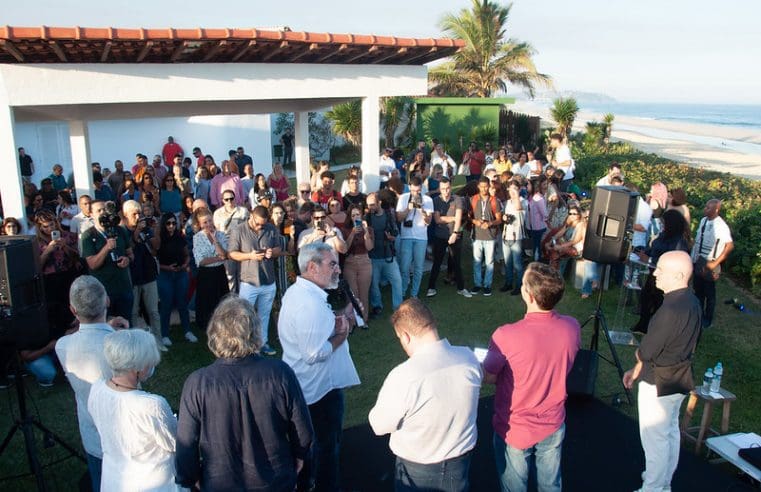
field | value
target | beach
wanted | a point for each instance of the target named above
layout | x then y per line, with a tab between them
716	147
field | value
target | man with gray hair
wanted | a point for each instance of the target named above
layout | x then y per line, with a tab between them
315	346
219	403
83	362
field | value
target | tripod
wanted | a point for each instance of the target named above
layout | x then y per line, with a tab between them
27	422
599	321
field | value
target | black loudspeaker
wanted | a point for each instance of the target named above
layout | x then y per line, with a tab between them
23	313
609	230
581	380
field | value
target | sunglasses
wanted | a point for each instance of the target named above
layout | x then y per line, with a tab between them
318	217
303	191
228	199
171	223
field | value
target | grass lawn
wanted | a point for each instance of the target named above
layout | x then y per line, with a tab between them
734	339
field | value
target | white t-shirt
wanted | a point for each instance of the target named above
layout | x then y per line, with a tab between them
643	216
524	170
385	165
562	154
715	230
419	229
445	162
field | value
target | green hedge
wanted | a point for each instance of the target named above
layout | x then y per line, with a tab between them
741	198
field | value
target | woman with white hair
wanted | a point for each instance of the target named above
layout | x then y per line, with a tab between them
137	429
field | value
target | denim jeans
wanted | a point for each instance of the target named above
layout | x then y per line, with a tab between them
43	368
536	239
95	467
659	433
173	293
447	476
591	274
385	269
513	254
513	464
483	254
412	251
327	418
121	304
262	298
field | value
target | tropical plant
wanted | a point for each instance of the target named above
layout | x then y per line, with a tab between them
607	120
347	120
321	136
564	111
489	59
397	116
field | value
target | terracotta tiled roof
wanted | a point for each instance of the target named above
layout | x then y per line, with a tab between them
117	45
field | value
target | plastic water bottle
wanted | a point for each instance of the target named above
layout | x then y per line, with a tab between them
707	381
718	371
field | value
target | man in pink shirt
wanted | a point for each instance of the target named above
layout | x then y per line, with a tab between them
228	179
529	361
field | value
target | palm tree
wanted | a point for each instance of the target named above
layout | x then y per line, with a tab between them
564	111
489	60
395	112
607	120
347	120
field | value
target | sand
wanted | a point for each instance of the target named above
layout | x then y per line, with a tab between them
653	136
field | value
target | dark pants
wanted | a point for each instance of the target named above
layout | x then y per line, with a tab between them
455	252
287	155
447	476
327	418
705	291
121	305
536	239
472	177
650	299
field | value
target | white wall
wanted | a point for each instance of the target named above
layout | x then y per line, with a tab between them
48	142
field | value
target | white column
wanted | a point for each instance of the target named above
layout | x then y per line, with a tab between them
301	146
80	158
11	188
370	141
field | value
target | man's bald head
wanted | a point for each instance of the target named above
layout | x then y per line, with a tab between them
674	271
199	203
711	210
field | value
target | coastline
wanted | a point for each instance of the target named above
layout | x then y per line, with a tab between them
716	147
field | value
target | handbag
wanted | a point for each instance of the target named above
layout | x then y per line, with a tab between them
463	170
670	380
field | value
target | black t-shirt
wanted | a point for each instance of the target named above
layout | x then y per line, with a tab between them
359	199
380	224
446	209
172	250
287	140
26	165
671	334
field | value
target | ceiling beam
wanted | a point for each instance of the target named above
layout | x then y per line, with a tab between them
304	52
106	51
361	55
392	54
178	51
244	50
331	54
283	45
57	50
144	52
11	48
421	55
214	50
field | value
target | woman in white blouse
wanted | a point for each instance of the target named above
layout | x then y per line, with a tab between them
137	429
210	253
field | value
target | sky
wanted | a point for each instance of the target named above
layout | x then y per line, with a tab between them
696	51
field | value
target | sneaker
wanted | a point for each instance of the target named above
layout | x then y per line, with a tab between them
267	350
375	312
431	293
162	347
167	342
504	288
487	292
190	337
45	385
465	293
516	291
475	290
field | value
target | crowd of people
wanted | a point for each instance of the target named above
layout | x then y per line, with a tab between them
232	247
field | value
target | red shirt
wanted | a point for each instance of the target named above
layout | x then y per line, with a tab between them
475	161
322	199
169	151
531	358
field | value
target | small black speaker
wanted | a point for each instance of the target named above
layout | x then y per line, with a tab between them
609	229
23	313
583	376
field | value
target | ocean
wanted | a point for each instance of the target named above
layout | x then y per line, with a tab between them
742	116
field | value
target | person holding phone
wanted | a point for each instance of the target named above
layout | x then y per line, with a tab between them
358	269
210	253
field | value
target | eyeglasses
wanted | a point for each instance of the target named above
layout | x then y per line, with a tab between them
318	217
229	199
171	223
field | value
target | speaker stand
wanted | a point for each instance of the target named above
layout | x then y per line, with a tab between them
600	325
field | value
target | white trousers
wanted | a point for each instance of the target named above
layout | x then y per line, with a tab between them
659	433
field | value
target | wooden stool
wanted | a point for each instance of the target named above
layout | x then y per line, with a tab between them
705	422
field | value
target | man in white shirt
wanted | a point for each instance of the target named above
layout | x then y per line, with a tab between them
639	236
613	170
225	219
713	243
322	232
83	220
315	346
83	362
414	211
562	159
448	165
429	404
386	164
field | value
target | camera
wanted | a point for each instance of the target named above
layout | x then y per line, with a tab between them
407	223
110	220
320	224
509	219
416	201
146	232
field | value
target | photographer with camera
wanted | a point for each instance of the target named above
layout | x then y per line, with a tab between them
486	215
146	240
512	238
382	221
322	231
415	211
108	251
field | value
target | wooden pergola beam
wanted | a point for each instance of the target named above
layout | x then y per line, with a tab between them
421	55
57	50
144	52
268	56
361	54
244	50
106	51
332	54
214	50
305	52
12	50
393	54
178	51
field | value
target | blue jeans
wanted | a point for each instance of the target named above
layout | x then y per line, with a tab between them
536	239
513	253
121	304
412	251
43	369
514	465
173	291
327	418
94	466
447	476
591	274
388	270
262	299
483	253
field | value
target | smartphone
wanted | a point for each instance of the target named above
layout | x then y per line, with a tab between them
357	223
55	235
